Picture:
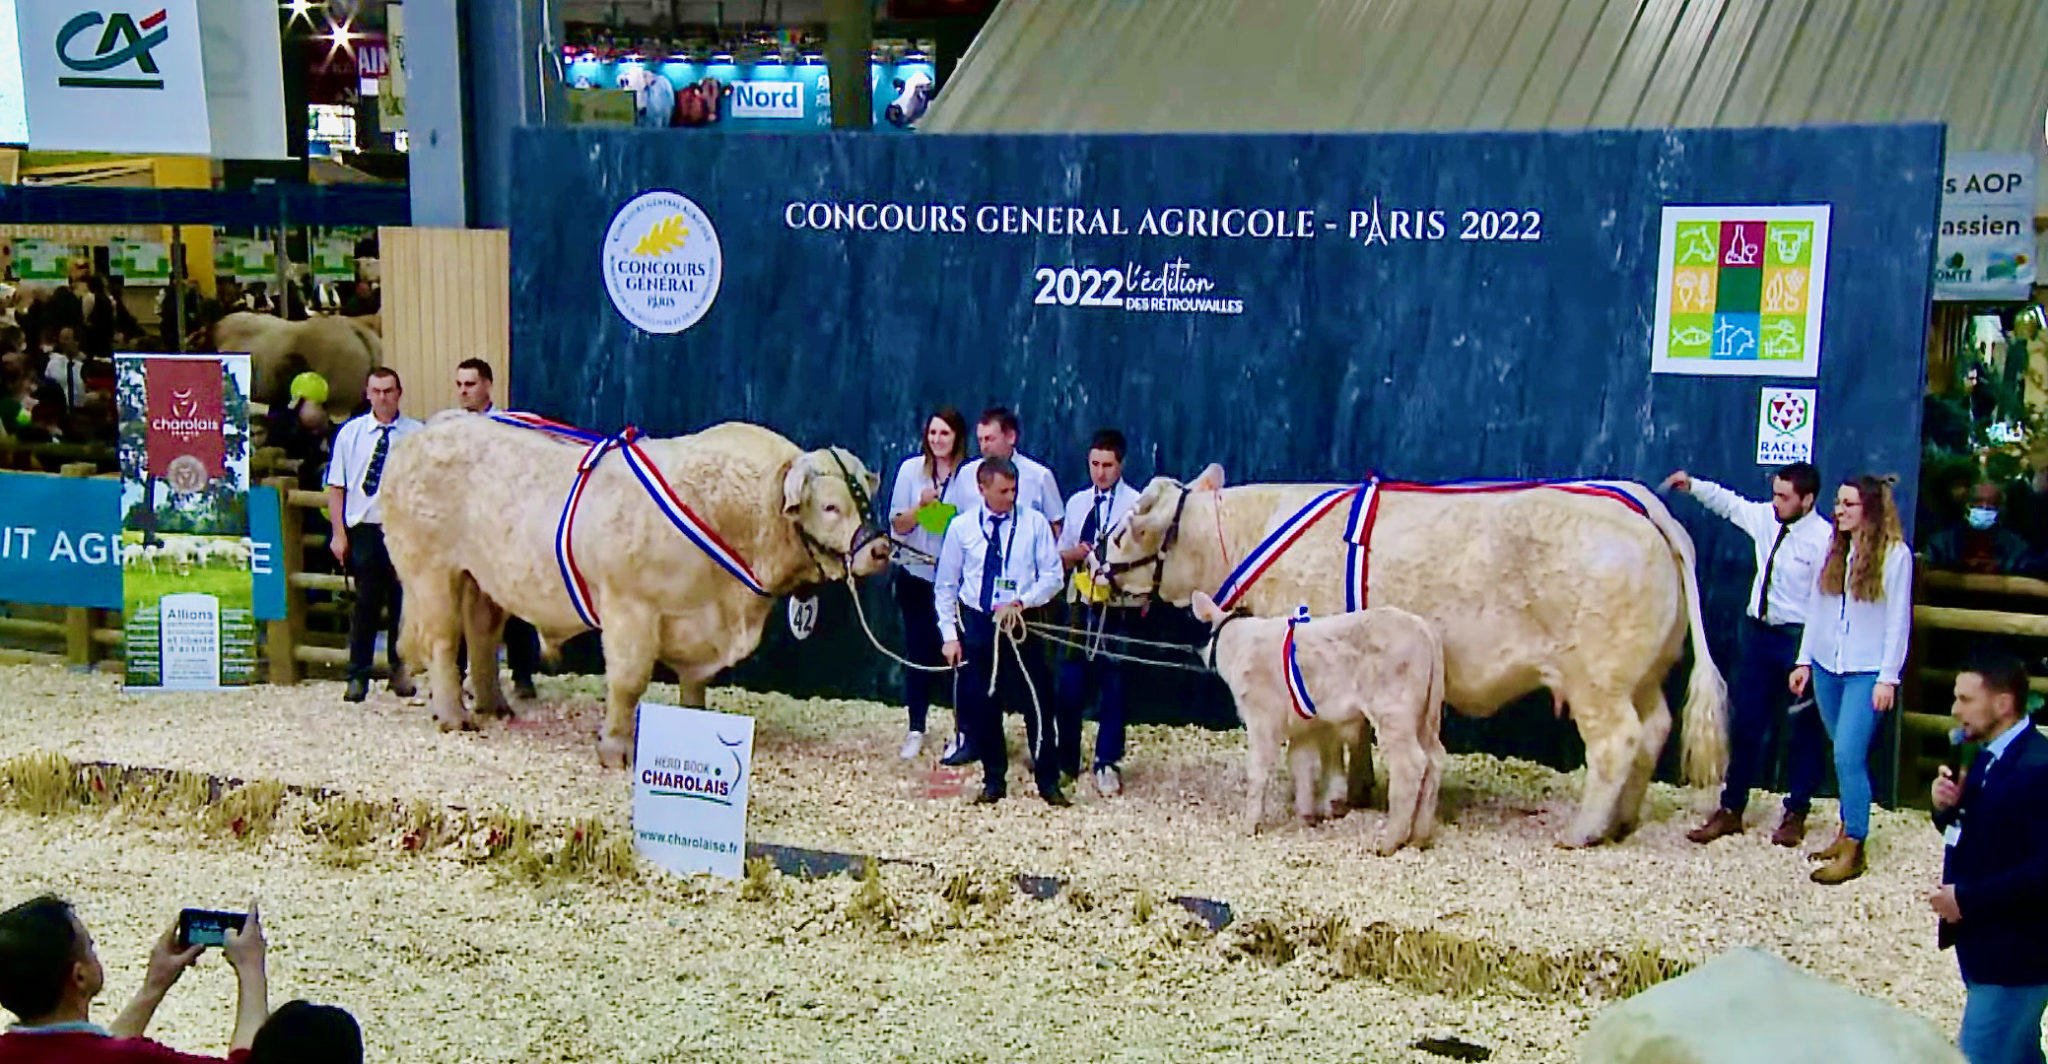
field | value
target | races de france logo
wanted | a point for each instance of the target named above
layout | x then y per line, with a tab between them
662	262
1789	413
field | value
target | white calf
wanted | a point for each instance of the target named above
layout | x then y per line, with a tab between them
1380	666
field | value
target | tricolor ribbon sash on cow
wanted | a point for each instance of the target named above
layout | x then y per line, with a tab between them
1290	667
679	514
1365	504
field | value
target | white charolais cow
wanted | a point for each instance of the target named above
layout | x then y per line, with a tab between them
1528	589
471	508
1382	667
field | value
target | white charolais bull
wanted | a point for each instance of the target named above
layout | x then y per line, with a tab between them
341	349
471	508
1380	666
1527	589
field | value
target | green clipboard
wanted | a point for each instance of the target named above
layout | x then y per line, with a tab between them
934	516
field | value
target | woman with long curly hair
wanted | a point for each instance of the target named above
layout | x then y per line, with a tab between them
1854	648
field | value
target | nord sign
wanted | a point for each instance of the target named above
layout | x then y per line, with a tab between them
767	99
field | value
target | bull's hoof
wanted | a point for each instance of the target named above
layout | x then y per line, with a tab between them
1386	847
455	725
1309	820
614	752
1338	810
1578	840
502	710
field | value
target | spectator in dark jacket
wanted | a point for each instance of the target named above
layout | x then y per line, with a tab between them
1983	544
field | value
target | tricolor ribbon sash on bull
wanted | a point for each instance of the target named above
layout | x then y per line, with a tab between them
627	442
1365	502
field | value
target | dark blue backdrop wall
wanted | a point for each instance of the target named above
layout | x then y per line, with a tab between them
1428	358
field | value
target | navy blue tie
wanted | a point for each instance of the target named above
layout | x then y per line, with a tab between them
1094	523
992	564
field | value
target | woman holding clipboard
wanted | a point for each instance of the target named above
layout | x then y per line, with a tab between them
928	493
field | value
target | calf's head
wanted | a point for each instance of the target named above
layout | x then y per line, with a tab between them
828	495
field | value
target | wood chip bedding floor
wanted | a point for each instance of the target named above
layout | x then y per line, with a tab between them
448	963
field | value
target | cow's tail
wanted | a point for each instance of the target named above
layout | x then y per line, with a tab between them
1704	736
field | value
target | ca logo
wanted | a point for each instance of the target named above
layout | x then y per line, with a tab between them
112	52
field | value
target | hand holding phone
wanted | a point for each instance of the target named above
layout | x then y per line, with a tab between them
207	927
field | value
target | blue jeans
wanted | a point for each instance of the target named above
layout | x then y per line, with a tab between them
2002	1024
1844	703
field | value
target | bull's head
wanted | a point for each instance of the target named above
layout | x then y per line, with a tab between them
828	496
1134	559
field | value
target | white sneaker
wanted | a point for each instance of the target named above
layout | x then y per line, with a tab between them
1108	781
913	745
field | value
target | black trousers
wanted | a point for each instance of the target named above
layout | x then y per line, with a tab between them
914	601
522	650
376	591
1761	696
982	714
1078	674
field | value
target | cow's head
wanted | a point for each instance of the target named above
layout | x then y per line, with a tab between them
912	97
1134	559
829	496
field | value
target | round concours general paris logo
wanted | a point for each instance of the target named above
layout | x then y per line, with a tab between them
662	261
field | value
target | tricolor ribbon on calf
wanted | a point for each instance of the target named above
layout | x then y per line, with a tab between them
1297	687
678	512
1365	505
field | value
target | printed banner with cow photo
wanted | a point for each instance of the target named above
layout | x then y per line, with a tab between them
188	589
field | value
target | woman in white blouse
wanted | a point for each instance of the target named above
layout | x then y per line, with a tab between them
928	479
1854	649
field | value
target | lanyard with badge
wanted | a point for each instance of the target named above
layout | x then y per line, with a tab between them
1004	583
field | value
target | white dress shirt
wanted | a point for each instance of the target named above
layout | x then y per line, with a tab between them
1114	505
354	445
1800	556
1036	489
1845	634
1031	572
911	480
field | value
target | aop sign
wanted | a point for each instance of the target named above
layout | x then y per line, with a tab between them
114	75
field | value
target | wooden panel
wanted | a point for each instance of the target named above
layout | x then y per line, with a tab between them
445	299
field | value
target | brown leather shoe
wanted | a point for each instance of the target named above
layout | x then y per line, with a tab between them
1791	829
1722	823
1845	866
1831	850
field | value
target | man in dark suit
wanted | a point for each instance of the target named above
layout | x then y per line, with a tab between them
1995	871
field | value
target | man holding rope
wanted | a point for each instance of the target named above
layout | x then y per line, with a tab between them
993	565
1091	515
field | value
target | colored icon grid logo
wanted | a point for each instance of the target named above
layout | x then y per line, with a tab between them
1742	289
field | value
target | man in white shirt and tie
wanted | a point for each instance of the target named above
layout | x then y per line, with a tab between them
994	564
996	435
1091	514
473	384
1792	542
355	473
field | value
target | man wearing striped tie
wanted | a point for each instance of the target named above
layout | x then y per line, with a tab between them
994	564
1091	514
353	477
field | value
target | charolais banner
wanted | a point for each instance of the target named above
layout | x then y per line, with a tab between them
188	593
61	544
